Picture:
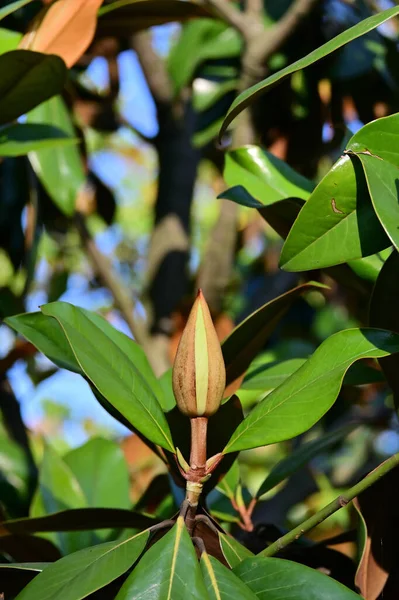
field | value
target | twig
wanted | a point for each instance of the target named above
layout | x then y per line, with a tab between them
334	506
110	279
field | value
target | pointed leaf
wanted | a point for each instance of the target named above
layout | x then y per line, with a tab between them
265	177
28	79
60	170
10	8
76	576
66	28
101	470
278	579
249	95
169	569
378	138
78	519
58	490
112	373
382	181
221	583
301	457
233	551
249	337
384	314
230	481
336	224
47	335
22	138
305	397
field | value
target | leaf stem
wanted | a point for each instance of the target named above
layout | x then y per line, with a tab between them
333	507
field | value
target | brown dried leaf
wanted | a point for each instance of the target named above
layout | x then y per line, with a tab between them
65	28
377	574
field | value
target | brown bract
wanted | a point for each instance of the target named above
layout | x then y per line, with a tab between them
65	28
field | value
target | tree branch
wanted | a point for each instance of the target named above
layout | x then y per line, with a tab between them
104	270
333	507
154	68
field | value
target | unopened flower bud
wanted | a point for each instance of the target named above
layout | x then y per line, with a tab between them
199	374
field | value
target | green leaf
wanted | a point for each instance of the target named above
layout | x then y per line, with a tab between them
102	472
111	372
230	481
58	490
209	92
200	41
206	135
384	313
233	551
271	375
22	138
378	138
78	519
336	224
47	335
9	40
76	576
221	583
305	397
265	177
37	567
28	78
10	8
278	579
169	569
249	337
382	181
59	169
249	95
300	457
369	267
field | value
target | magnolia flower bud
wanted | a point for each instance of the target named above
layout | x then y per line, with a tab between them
199	374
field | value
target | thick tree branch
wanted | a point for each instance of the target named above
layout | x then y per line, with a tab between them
154	68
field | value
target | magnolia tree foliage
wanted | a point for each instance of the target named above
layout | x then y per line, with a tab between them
68	529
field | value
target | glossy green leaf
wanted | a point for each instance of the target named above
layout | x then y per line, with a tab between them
169	569
206	135
78	519
300	457
369	267
230	481
336	224
305	397
102	473
22	138
10	8
249	337
233	551
76	576
265	177
57	491
278	579
112	373
59	169
28	78
378	138
221	583
383	312
47	335
37	567
382	181
9	40
249	95
199	41
207	92
271	375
